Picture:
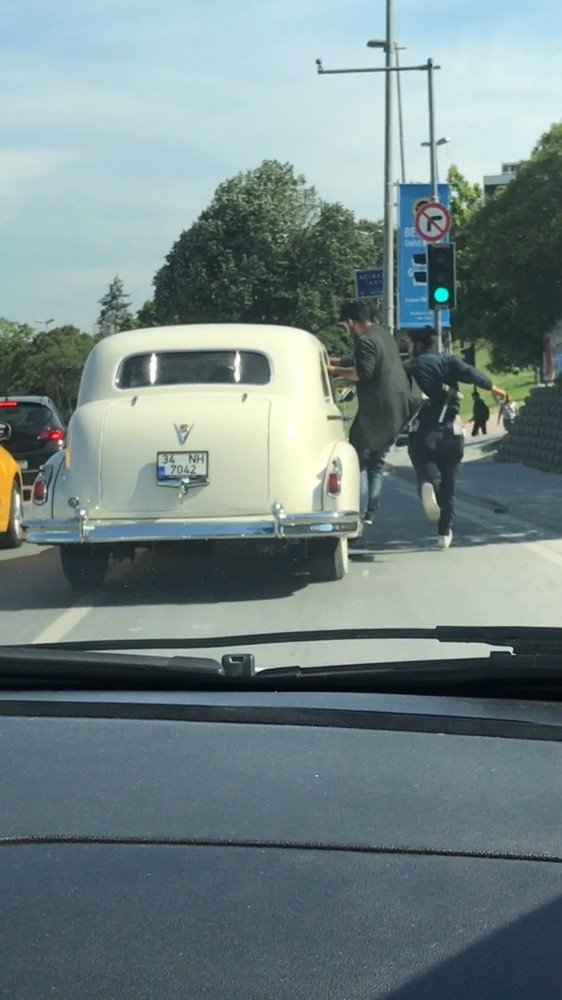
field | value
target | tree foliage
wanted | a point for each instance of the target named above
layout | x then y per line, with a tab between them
465	199
43	364
15	344
511	292
266	250
115	314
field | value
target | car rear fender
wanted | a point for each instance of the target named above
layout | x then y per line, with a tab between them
343	458
50	473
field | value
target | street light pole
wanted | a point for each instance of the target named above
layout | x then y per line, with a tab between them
44	322
388	239
434	186
400	120
388	235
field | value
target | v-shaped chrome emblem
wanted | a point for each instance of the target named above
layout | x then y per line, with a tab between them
183	431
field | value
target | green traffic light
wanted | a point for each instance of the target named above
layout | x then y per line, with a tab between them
441	295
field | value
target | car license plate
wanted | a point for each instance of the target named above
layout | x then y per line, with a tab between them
177	464
23	464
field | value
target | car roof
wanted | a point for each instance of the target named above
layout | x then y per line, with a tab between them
205	336
294	353
40	400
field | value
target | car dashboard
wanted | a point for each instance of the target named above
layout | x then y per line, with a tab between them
291	845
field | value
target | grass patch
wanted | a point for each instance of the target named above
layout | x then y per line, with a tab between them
518	386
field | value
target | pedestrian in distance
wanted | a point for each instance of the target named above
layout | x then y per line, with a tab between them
436	441
508	412
382	398
480	414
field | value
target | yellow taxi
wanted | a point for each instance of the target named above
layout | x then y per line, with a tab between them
11	497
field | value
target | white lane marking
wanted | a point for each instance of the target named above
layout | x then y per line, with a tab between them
64	624
508	529
61	627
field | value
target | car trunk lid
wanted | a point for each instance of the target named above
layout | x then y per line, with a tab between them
218	439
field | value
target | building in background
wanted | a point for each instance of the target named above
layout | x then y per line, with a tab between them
494	181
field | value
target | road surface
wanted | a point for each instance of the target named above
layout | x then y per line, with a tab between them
500	571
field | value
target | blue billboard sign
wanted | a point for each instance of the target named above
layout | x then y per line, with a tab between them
368	283
413	311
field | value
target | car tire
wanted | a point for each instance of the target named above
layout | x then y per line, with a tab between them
84	566
330	559
12	538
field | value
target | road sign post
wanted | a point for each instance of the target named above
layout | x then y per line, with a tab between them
413	311
432	222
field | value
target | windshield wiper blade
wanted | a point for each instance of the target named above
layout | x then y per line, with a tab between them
28	663
523	639
500	668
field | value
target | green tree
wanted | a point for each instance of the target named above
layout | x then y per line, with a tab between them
54	365
15	343
115	314
512	281
266	250
147	315
465	199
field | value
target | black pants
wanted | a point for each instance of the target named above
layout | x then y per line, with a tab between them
479	425
436	456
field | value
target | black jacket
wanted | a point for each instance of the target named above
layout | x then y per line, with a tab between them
433	372
382	392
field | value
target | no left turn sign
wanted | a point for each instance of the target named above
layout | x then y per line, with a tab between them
432	222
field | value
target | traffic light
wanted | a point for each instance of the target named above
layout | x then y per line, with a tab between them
441	276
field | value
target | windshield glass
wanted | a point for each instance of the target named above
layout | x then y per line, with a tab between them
25	418
290	276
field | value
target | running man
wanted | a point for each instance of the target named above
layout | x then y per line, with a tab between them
436	442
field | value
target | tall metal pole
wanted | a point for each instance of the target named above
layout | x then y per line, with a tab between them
388	241
400	121
434	184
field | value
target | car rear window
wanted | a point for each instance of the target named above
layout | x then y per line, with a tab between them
194	368
24	418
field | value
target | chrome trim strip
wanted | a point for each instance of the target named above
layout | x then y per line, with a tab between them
279	525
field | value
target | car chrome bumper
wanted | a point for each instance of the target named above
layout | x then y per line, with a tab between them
279	525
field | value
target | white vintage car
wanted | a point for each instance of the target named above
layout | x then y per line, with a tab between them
201	432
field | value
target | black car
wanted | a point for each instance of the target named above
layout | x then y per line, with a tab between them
37	431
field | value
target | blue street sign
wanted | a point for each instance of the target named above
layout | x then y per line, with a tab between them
413	312
368	283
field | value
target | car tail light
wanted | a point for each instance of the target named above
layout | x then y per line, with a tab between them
8	404
334	480
50	434
39	491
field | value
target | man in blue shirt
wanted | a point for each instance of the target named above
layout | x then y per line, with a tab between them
436	442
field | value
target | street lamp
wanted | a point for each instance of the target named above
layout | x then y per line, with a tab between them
44	322
438	142
391	51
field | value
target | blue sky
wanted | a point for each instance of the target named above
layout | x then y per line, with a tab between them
120	117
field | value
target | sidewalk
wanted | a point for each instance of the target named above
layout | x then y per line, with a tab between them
516	490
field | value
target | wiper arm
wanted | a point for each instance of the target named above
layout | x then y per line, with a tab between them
499	668
25	664
522	639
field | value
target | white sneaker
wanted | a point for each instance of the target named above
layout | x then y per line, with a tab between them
444	541
429	502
